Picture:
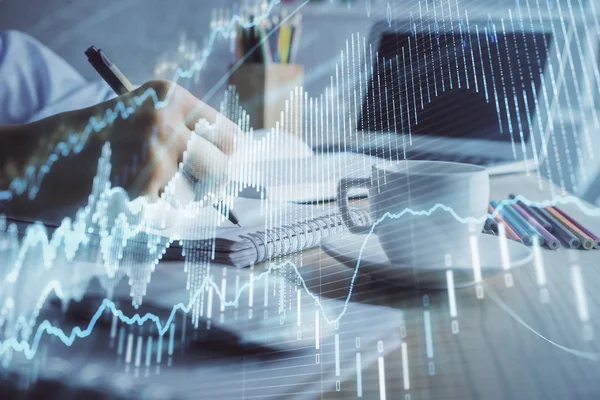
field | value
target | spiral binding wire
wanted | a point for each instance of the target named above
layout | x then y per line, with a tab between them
301	235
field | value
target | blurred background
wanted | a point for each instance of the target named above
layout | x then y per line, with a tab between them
147	38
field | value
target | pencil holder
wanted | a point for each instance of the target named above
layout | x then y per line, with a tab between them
264	89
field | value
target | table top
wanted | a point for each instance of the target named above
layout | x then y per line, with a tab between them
533	333
530	333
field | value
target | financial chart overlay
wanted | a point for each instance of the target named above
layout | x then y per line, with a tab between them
414	215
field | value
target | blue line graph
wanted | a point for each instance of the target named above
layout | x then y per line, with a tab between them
30	350
32	180
76	141
37	235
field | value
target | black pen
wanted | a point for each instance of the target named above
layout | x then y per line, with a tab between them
108	71
121	85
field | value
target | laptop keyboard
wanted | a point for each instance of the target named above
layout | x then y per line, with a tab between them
477	160
391	152
413	155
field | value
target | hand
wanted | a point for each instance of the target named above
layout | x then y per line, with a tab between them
147	147
157	138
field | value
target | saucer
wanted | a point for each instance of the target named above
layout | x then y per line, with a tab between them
345	247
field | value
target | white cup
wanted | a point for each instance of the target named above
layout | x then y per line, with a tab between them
409	206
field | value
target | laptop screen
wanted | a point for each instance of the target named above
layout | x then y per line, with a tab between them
452	84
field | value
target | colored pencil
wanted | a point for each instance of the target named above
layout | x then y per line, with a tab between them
547	238
510	233
295	38
561	232
586	241
519	225
491	224
488	231
507	229
279	43
264	46
285	36
272	39
583	229
535	236
533	211
239	43
512	220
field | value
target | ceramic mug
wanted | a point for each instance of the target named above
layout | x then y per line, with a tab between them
422	211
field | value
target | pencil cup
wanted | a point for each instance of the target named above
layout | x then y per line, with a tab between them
264	89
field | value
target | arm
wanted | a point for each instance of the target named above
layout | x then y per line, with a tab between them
152	139
17	145
25	146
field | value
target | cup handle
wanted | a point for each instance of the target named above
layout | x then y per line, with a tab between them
342	198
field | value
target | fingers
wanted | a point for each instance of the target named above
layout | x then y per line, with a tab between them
226	134
175	137
204	156
182	107
165	167
202	160
205	161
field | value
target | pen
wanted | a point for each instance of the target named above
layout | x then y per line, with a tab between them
121	85
108	71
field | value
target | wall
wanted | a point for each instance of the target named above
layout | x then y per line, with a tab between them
135	33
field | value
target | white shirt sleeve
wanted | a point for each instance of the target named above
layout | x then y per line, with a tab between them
36	83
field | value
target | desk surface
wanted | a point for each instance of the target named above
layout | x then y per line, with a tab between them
536	338
532	335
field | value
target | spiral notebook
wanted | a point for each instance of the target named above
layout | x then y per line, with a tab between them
268	230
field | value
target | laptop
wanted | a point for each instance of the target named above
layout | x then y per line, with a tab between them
471	94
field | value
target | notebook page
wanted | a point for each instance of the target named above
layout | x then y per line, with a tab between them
308	179
254	216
